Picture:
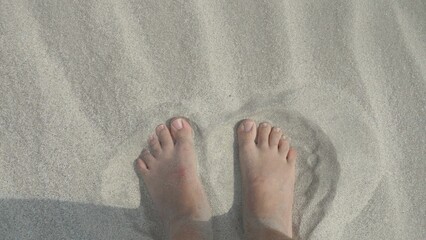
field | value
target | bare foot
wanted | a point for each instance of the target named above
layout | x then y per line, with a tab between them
169	172
268	177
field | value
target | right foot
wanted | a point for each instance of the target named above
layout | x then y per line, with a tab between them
268	177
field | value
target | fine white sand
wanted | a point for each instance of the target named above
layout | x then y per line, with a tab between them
83	84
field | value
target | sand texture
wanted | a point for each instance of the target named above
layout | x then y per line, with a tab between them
83	83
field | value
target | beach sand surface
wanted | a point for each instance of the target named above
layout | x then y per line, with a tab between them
84	83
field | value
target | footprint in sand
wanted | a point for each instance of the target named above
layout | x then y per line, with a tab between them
337	152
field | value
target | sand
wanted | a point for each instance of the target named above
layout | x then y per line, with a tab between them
83	84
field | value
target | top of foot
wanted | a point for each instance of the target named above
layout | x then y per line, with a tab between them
268	176
169	171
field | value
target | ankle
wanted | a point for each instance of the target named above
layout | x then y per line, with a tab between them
190	229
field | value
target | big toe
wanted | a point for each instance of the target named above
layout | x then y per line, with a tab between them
247	133
181	130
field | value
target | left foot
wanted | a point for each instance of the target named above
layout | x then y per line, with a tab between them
169	172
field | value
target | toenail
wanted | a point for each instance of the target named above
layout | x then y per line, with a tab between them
144	152
248	125
151	137
177	123
277	129
263	124
160	127
286	138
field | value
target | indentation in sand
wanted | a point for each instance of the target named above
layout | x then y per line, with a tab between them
339	142
316	157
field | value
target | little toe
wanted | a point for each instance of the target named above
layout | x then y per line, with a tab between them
142	167
274	137
154	145
164	136
263	134
147	158
283	146
247	133
181	131
292	156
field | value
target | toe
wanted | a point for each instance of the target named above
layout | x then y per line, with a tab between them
274	137
164	136
147	158
291	157
247	133
283	146
181	131
263	134
142	167
154	145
